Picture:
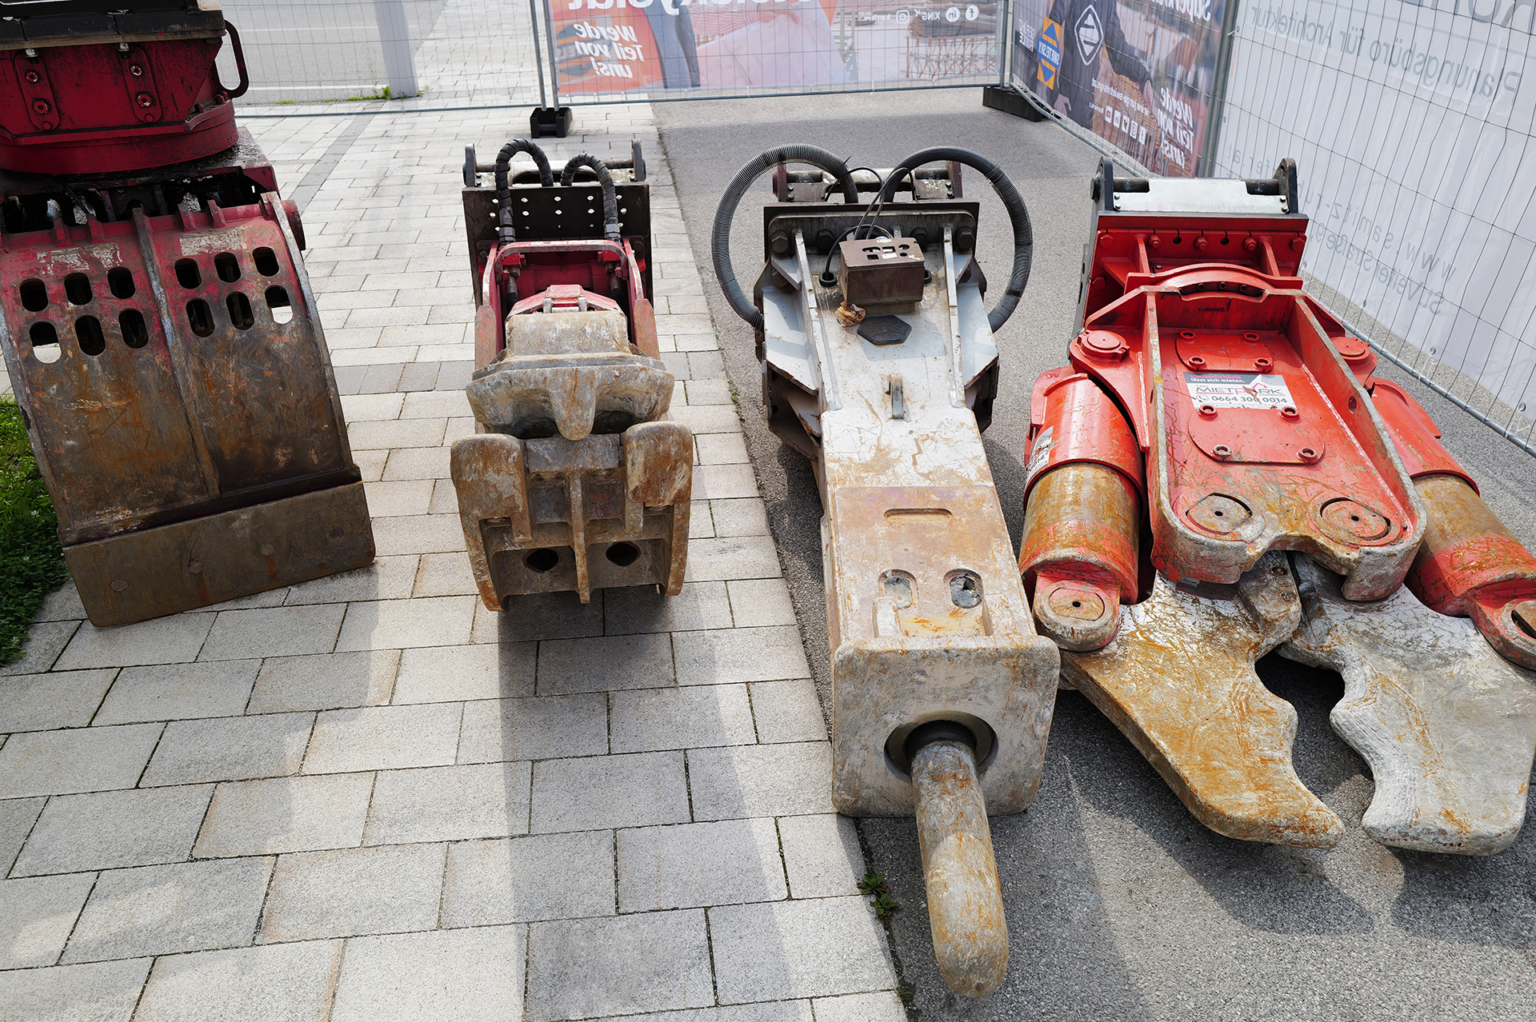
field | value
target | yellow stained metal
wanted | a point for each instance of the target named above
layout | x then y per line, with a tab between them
1179	681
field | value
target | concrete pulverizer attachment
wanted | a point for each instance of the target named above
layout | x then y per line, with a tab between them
1214	415
880	366
576	479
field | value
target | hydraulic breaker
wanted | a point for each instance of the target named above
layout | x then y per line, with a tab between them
883	373
1262	430
156	320
576	480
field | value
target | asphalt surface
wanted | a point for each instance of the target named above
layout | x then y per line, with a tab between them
1120	905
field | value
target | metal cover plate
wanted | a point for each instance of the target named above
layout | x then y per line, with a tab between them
882	330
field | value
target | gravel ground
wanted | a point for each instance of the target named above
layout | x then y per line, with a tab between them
1120	905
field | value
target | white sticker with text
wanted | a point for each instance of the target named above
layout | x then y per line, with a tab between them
1238	390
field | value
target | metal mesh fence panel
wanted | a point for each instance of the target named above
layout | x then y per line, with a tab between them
440	52
1412	129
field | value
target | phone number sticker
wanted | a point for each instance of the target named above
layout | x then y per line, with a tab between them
1238	390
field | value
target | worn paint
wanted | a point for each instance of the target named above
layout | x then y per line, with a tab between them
1447	726
1179	681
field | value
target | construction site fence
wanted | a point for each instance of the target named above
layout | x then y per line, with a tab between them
1411	122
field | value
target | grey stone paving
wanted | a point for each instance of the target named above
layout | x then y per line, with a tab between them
368	798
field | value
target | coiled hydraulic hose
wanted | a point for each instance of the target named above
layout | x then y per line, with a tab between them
1013	202
725	214
610	200
504	187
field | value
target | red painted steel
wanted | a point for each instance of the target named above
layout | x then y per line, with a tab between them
112	108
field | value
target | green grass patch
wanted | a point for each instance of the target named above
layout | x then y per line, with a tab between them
31	560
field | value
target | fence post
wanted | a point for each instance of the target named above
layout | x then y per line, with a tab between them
395	38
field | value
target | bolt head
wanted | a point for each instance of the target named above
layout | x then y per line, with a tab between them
33	77
1201	244
1250	244
136	70
40	106
145	100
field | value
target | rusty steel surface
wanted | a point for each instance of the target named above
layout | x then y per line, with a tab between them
1179	681
1447	726
172	367
965	901
577	481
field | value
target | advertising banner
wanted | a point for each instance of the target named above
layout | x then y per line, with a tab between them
756	47
1137	73
1411	126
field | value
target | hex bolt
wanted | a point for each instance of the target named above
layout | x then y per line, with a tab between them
1250	244
1154	242
779	242
965	240
1201	244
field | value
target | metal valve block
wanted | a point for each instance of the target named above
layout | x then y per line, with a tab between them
576	481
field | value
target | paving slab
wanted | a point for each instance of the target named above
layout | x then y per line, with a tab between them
324	682
353	891
229	749
175	691
162	910
465	975
603	792
42	702
114	828
384	737
544	727
449	803
699	864
453	673
525	879
810	948
17	815
37	915
107	992
285	814
82	759
279	983
584	968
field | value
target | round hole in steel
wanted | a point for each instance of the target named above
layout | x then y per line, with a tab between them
622	554
541	560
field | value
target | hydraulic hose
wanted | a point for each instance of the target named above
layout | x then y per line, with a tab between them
506	232
610	200
725	214
1013	202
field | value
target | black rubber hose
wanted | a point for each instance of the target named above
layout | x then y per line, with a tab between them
610	199
504	187
1013	202
725	214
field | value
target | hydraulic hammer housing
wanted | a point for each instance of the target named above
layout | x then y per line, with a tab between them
882	373
1288	494
577	480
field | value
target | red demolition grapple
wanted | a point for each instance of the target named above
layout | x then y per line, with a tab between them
156	320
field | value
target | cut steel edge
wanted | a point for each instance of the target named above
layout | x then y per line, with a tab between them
1447	726
1178	680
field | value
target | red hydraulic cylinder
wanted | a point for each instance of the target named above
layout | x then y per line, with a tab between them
1470	564
1082	518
